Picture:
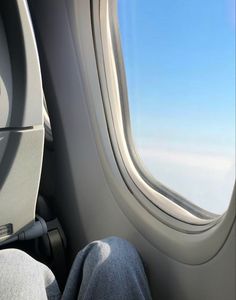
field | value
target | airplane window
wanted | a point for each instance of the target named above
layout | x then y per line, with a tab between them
179	59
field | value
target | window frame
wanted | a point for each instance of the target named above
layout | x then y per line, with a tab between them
115	99
147	176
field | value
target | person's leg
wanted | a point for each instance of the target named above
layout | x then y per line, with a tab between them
107	269
24	278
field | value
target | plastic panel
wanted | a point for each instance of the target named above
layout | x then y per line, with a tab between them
19	68
5	80
21	119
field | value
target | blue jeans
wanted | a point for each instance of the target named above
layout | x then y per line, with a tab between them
106	269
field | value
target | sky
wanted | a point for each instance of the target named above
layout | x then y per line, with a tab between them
180	69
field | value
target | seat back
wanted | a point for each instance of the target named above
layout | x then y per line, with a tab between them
21	119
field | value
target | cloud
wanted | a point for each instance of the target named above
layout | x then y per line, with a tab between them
205	179
206	161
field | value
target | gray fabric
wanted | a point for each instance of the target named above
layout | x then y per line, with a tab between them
106	269
22	277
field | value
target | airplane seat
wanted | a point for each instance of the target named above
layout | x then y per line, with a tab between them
21	120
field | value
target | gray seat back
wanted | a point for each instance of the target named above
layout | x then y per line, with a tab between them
21	119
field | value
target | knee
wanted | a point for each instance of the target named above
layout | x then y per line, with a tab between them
117	253
16	263
120	248
14	257
15	260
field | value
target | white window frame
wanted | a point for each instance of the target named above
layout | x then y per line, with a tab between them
115	97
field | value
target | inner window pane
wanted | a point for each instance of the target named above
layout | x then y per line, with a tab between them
180	69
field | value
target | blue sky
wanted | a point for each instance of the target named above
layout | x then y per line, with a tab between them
180	67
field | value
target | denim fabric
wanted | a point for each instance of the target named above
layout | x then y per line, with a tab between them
106	269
